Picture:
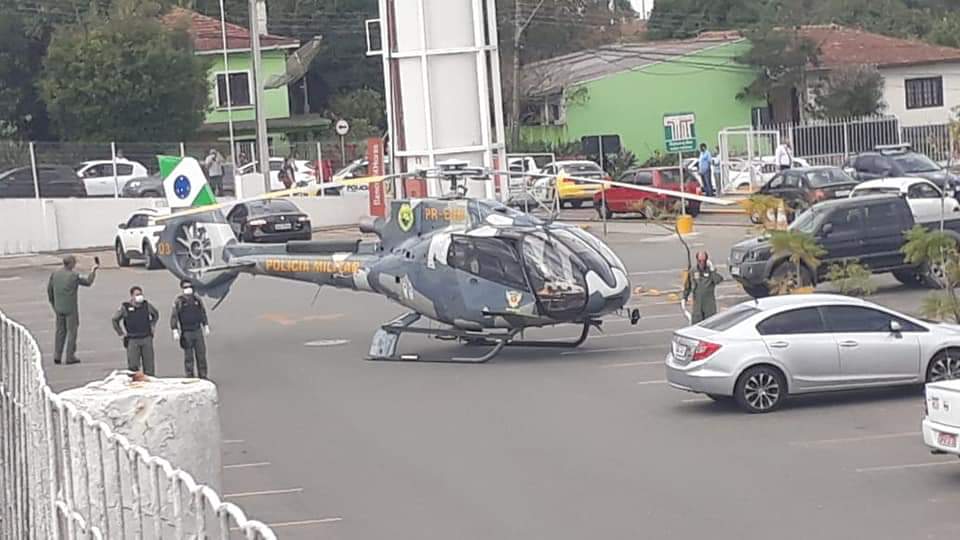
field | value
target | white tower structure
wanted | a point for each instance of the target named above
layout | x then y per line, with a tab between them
441	67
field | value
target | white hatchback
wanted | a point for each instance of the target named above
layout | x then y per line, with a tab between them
101	180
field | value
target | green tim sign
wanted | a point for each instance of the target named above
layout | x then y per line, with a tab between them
679	132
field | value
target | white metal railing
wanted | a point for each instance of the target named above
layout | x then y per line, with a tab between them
65	475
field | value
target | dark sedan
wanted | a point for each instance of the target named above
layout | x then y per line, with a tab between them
802	188
53	181
145	186
269	221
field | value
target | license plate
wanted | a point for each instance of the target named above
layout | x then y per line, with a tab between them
843	193
947	439
283	226
734	270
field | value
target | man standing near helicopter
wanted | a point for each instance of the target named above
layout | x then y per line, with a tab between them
701	283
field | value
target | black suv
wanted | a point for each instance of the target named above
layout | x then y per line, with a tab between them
53	181
900	160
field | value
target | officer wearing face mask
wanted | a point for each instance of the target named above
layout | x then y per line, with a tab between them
134	322
701	285
189	324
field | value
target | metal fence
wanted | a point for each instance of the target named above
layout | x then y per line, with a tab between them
831	142
65	475
107	167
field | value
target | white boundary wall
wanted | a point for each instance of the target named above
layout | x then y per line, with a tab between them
32	225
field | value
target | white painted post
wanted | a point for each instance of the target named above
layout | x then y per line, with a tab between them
320	168
116	181
33	169
183	150
683	184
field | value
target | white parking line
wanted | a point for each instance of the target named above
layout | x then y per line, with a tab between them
697	400
233	441
247	465
613	349
259	493
305	522
908	466
660	381
631	364
857	439
11	278
670	271
637	333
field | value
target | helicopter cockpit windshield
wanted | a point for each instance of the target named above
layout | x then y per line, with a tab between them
556	274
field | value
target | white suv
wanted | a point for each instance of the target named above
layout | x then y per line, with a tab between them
99	179
138	236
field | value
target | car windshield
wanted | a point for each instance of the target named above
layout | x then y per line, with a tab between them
729	318
825	177
272	207
876	191
915	163
807	221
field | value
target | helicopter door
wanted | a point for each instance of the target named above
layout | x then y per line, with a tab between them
490	276
557	276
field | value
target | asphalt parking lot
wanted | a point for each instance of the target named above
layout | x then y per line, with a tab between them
586	443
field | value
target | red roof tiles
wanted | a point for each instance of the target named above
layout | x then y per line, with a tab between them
205	32
841	46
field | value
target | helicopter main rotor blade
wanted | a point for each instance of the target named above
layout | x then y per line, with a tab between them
311	189
661	191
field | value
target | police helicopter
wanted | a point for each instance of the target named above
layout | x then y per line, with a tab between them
483	271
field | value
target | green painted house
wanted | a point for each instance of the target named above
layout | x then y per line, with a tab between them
627	89
283	128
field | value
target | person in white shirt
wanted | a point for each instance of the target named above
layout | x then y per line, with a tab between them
784	156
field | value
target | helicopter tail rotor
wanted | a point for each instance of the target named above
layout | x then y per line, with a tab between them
196	248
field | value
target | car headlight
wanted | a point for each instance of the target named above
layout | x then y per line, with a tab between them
757	255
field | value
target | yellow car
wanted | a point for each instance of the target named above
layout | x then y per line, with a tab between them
575	192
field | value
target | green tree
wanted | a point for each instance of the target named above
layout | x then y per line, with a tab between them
937	253
361	105
850	92
23	43
127	78
946	31
679	19
780	58
801	250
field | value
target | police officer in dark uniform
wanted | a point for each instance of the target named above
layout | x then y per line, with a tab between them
189	324
138	319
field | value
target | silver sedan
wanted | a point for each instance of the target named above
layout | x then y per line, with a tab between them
761	351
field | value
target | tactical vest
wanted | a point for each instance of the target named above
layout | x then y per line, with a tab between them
136	320
189	312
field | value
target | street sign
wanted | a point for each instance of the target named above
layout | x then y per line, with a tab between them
679	132
342	127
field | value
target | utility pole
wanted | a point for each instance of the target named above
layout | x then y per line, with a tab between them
263	152
519	26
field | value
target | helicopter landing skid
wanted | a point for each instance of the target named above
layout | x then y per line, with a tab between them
387	339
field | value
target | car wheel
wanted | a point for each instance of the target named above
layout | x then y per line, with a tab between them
576	204
604	211
910	278
152	261
785	279
122	259
150	194
693	209
650	210
760	389
945	366
934	275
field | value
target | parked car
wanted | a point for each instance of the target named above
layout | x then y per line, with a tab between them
802	188
99	177
270	220
617	200
571	192
761	352
868	230
143	186
53	181
764	169
137	237
925	199
303	174
941	411
900	160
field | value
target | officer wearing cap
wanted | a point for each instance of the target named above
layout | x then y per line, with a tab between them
189	324
62	294
139	318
